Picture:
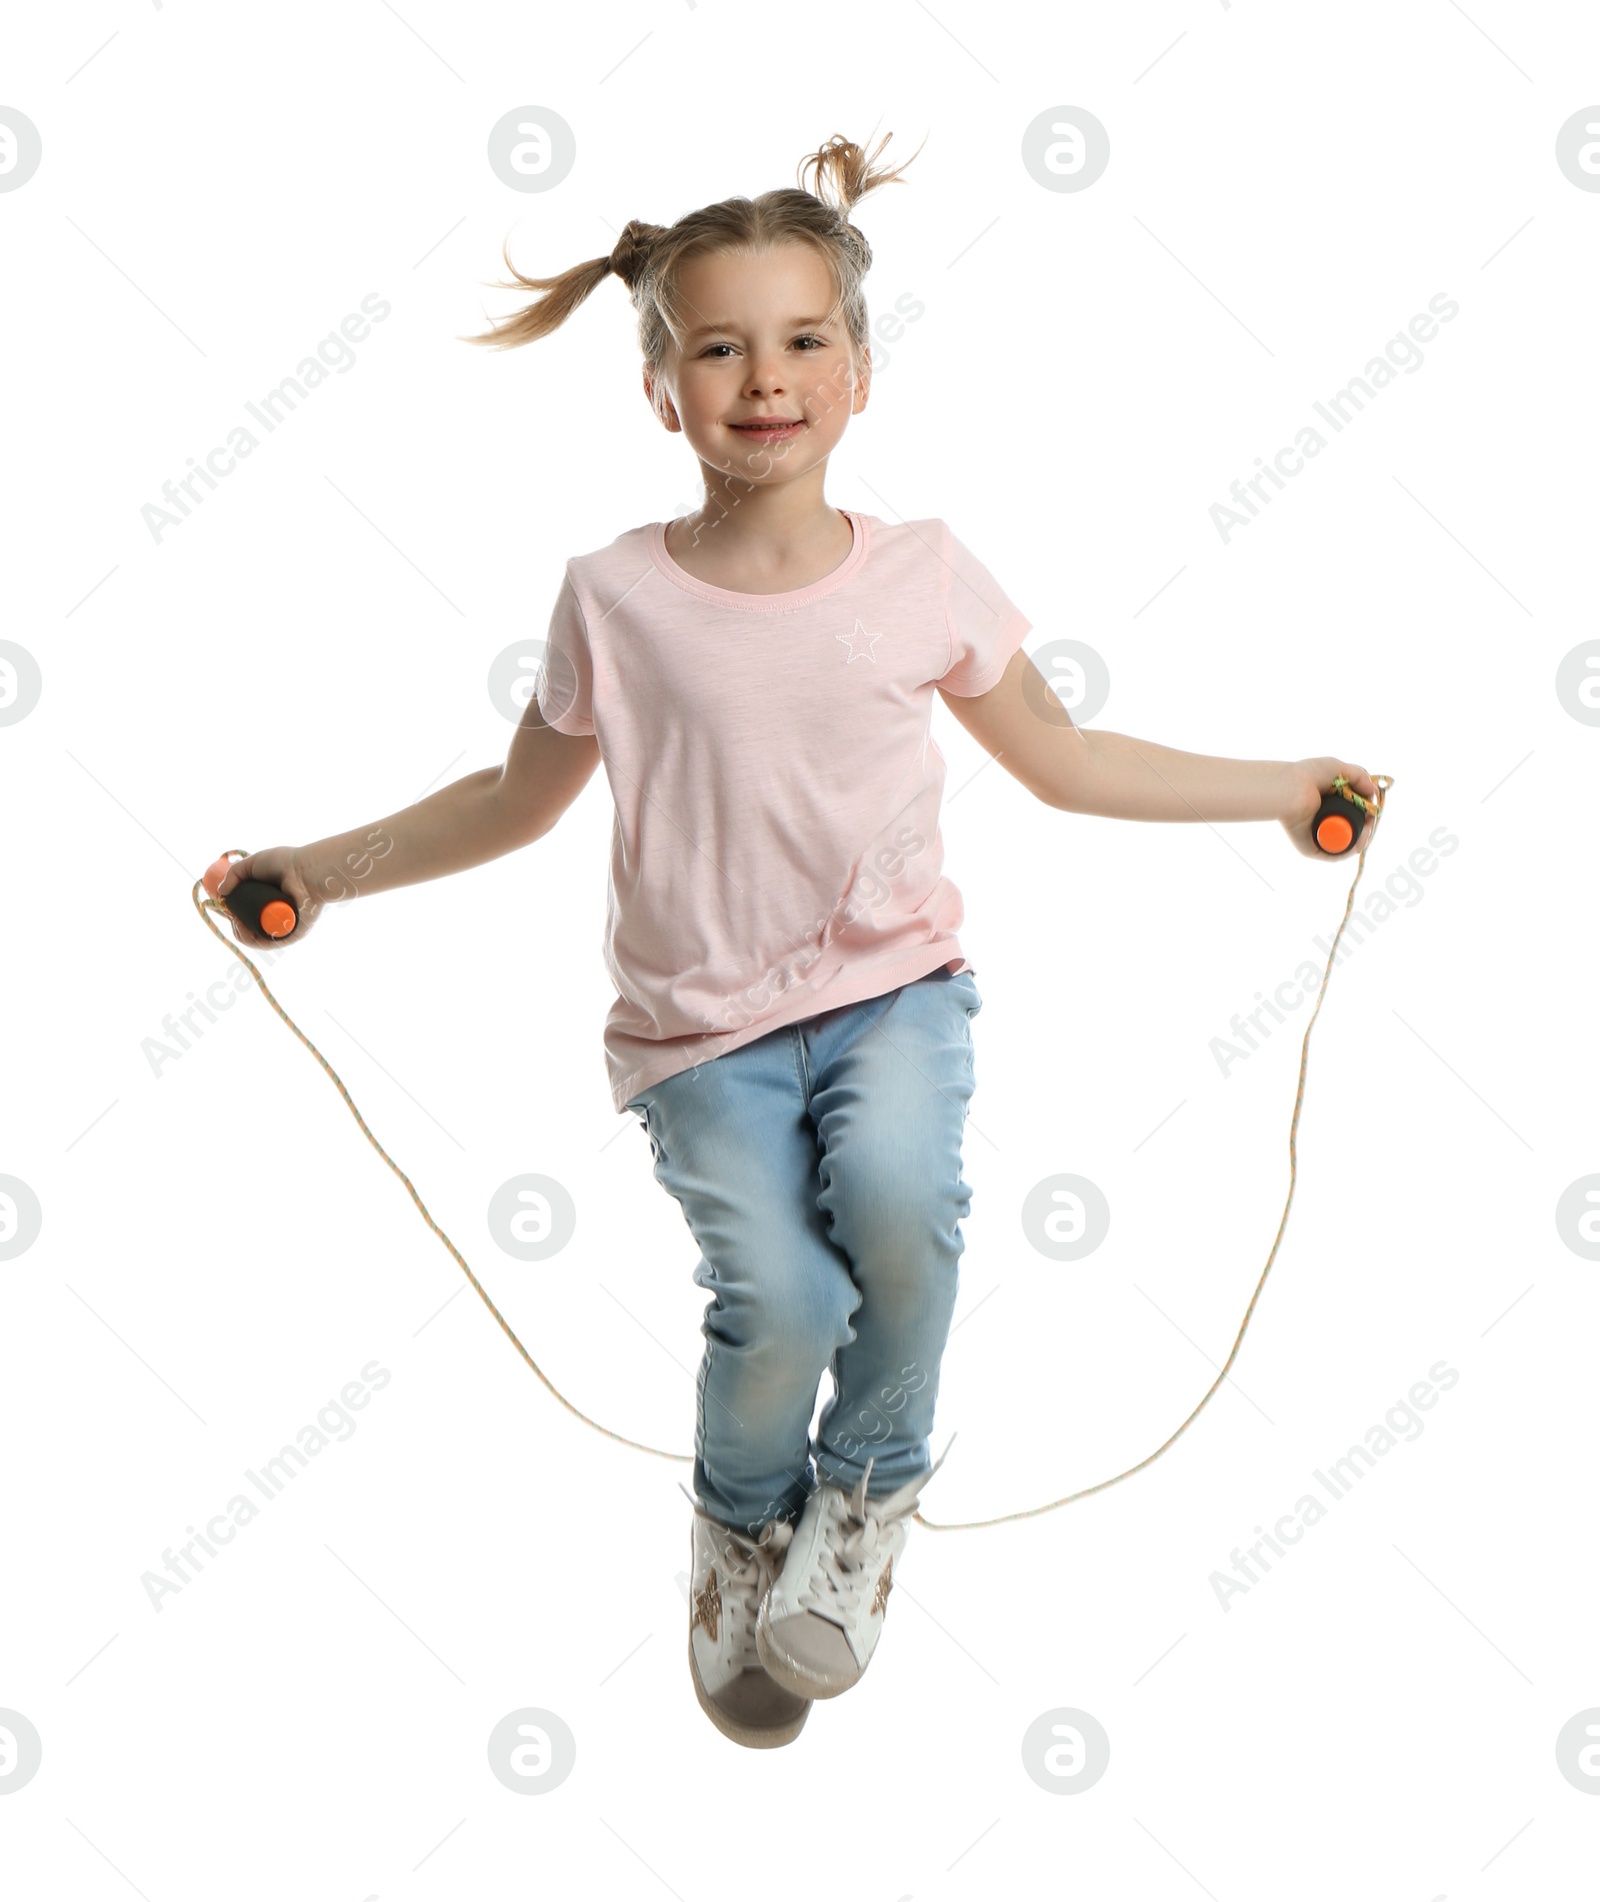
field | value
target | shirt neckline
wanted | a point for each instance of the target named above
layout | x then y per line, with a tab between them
768	603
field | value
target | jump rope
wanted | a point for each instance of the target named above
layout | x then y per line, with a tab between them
1343	823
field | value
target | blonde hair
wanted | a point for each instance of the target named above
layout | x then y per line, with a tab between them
648	258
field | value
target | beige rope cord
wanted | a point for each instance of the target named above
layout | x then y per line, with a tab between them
204	906
1383	782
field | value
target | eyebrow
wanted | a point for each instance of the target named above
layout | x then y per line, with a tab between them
794	323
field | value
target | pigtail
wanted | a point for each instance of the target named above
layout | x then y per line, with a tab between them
629	259
845	174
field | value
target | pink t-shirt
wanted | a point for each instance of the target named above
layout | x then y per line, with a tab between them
776	850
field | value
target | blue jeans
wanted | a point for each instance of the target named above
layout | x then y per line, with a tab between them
819	1171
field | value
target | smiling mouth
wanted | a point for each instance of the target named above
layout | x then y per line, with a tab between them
767	428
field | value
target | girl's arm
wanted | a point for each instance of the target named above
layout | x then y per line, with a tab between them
481	817
1086	769
489	813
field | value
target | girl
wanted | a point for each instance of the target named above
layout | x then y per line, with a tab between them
792	1026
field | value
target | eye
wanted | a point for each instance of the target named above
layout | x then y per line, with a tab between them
820	342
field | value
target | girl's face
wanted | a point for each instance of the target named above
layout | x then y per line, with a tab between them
760	345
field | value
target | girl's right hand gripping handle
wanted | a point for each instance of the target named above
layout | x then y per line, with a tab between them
259	907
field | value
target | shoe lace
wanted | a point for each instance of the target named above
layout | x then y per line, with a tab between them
846	1567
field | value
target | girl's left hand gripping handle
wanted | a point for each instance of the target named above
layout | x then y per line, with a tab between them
1340	820
259	907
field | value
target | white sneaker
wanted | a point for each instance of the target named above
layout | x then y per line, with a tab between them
729	1574
819	1625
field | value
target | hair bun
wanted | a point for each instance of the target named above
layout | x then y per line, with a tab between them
632	250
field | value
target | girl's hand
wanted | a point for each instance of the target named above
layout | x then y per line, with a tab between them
279	865
1309	781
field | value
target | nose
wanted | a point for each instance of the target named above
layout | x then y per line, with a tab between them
765	376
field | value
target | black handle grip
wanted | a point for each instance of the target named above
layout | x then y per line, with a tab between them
262	908
1339	824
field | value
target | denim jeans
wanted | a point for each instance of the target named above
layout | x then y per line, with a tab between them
819	1171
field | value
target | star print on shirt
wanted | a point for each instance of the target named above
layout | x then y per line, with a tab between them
869	641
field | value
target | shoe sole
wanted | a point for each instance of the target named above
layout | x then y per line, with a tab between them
753	1737
783	1672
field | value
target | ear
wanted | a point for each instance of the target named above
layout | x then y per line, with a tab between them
863	382
670	420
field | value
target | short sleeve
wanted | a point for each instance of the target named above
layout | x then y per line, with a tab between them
986	628
564	685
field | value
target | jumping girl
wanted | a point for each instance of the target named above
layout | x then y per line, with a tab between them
793	1020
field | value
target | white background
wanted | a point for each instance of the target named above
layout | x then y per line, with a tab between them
222	1250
